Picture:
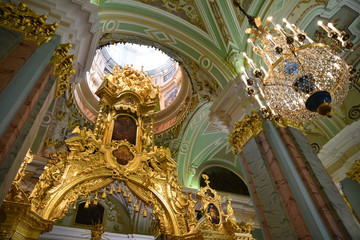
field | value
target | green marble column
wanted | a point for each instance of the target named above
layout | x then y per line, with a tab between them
20	86
26	85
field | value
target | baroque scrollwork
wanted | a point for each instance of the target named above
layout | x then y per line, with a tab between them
16	194
21	18
249	127
216	224
354	112
63	68
93	160
186	9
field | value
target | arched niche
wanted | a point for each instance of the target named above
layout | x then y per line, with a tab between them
89	214
116	217
224	180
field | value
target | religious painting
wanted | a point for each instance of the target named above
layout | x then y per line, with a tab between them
213	213
123	155
125	128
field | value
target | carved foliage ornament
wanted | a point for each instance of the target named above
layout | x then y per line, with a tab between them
21	18
354	172
186	9
244	130
63	68
91	164
217	224
94	160
16	208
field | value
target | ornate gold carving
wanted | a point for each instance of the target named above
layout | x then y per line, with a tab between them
19	222
280	121
21	18
60	115
244	130
12	213
97	230
16	194
63	68
93	161
185	9
127	79
21	172
354	172
217	224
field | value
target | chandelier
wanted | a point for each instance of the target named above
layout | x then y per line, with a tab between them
301	79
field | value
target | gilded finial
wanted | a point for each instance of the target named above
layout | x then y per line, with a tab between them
206	178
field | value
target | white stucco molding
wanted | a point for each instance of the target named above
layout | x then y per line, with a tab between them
342	151
232	105
79	24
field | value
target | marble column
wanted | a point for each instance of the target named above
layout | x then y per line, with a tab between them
15	93
14	53
293	195
23	104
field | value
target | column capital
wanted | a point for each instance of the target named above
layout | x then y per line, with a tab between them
244	130
232	105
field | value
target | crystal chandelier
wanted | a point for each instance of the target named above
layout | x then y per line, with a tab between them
304	79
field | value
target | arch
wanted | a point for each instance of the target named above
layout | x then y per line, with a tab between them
203	82
173	32
65	195
200	145
216	174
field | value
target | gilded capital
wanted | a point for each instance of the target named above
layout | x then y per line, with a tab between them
249	127
22	19
354	172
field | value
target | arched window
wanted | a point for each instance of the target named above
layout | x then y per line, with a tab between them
224	180
91	215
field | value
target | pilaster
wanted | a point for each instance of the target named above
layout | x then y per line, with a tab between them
326	197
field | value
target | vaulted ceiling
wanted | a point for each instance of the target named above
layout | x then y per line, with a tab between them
205	37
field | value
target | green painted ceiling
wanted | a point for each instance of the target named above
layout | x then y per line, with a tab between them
206	32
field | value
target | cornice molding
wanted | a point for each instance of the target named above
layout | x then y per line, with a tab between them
79	25
232	105
339	154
